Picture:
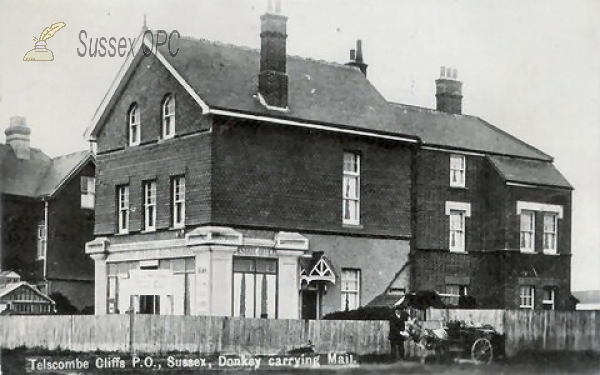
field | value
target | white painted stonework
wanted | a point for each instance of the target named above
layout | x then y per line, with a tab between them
211	282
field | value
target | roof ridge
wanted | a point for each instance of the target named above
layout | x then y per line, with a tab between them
71	154
257	50
503	132
430	110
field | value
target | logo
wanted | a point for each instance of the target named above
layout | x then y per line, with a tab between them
111	46
40	52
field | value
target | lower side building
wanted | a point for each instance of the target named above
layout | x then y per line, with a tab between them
224	271
497	279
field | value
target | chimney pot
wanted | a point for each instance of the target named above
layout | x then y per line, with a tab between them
359	54
356	58
17	137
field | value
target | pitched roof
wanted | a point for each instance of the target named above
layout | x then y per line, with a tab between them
534	172
226	77
6	290
318	267
60	170
11	274
587	296
40	175
464	132
386	299
22	177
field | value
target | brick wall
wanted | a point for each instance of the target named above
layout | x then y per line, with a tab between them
503	272
493	225
189	156
562	197
189	153
147	87
432	267
69	228
495	219
273	176
433	191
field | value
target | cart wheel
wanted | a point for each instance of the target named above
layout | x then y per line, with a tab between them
482	351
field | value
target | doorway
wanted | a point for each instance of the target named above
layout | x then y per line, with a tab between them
310	305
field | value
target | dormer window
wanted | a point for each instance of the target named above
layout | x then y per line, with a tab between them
168	117
134	125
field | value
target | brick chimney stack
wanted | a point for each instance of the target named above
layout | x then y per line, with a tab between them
273	79
448	91
17	137
356	58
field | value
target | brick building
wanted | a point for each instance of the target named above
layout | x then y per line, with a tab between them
46	216
243	182
492	213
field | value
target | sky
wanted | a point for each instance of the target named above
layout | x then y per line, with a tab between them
530	67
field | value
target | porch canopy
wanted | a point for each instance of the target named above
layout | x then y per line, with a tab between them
316	268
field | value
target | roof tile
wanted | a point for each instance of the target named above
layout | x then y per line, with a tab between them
536	172
37	177
226	77
465	132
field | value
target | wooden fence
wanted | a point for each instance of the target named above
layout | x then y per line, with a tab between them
524	331
540	331
162	333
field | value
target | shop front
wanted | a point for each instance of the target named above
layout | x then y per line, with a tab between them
212	271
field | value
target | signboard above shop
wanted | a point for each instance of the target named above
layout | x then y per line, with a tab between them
255	251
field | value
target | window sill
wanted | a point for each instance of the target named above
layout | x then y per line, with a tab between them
528	251
179	227
456	251
148	231
459	187
550	252
352	226
122	233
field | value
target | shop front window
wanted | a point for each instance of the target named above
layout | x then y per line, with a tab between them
255	287
149	304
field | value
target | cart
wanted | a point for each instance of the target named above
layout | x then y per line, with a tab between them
459	341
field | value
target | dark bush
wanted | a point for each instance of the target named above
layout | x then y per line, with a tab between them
362	313
88	310
63	304
467	302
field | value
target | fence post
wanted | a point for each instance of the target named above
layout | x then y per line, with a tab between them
131	313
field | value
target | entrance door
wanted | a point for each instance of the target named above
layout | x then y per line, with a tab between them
309	304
